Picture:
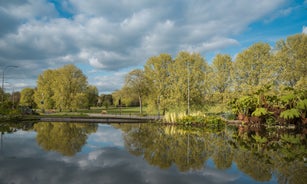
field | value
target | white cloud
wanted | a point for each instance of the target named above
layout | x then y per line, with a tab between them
116	36
95	63
213	44
34	8
109	83
138	21
304	29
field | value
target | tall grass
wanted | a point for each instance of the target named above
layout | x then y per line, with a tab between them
193	118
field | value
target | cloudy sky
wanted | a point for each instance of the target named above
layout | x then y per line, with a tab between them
108	38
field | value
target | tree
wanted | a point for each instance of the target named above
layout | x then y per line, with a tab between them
69	81
157	74
251	67
92	95
136	83
220	77
63	88
188	81
27	97
221	72
106	100
44	92
291	60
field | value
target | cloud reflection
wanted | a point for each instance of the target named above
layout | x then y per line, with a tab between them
107	165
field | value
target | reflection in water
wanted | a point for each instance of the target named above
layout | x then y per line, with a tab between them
178	154
189	149
65	138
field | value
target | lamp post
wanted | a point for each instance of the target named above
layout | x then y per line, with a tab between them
188	68
11	66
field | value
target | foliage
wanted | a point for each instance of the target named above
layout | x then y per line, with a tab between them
291	57
244	105
64	88
302	105
27	97
290	114
260	112
260	139
135	83
252	67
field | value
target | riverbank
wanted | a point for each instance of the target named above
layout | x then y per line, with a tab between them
89	118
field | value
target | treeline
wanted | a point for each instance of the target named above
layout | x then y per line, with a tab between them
65	88
189	83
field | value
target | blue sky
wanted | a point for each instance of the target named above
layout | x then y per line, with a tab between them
106	38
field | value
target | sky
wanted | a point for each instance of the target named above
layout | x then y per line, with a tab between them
106	38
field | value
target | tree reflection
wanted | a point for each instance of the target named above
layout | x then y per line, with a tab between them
65	138
258	153
164	146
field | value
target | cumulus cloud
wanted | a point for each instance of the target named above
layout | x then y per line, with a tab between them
109	82
305	30
115	36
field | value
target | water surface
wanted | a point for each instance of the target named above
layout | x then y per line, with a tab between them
147	153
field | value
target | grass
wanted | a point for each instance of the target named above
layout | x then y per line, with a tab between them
111	110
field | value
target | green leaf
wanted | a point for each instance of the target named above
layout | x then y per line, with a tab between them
260	139
290	114
260	112
302	105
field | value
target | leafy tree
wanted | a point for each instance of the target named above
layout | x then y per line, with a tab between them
158	77
221	72
291	60
43	96
220	77
27	97
63	88
189	81
69	82
106	100
135	82
251	67
92	95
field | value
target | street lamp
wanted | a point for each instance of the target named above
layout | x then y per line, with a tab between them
10	66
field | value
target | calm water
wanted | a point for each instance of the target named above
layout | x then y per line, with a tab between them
146	153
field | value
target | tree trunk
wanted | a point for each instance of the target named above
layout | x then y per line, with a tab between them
141	108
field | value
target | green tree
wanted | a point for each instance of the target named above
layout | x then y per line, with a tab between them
220	77
251	67
63	88
188	81
221	72
69	82
92	95
291	60
43	96
27	97
157	74
106	100
136	83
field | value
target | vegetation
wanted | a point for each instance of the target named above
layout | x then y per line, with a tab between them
64	88
256	152
255	84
